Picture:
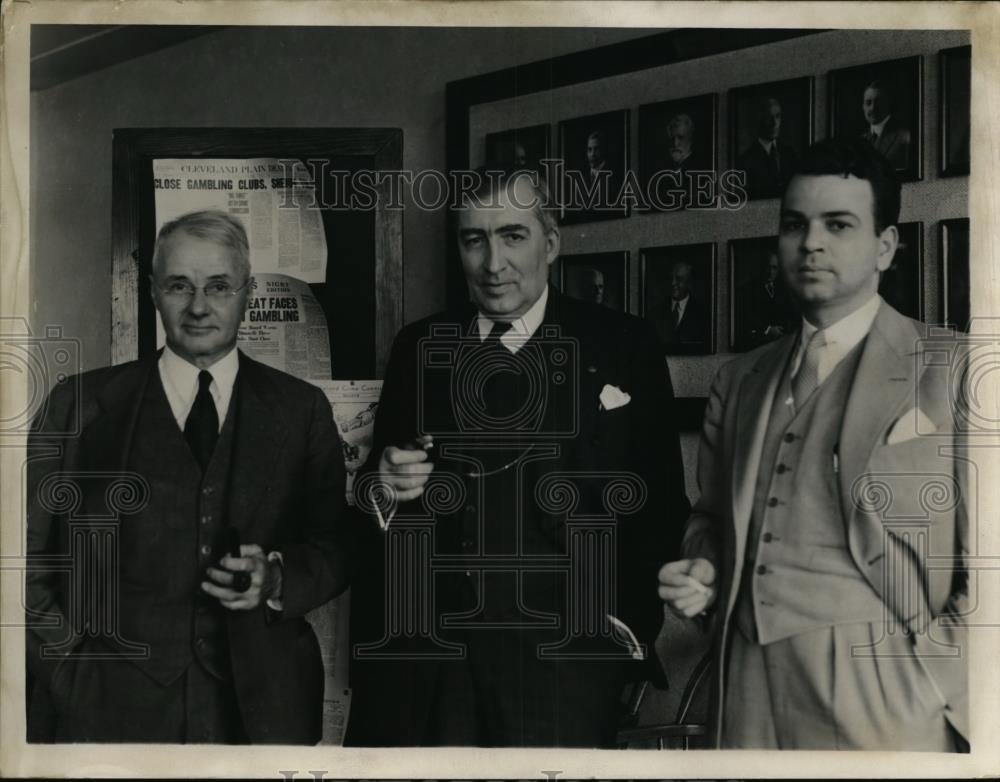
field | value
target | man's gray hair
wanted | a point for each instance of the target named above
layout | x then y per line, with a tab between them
492	182
212	225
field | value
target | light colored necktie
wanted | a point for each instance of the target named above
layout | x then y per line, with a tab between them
806	379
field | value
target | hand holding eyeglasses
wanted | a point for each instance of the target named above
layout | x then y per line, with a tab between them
407	468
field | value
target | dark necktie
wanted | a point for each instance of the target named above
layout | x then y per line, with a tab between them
500	384
201	429
773	162
500	327
676	314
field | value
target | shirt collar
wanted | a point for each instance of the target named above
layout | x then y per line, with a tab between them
767	143
522	328
184	375
880	126
849	330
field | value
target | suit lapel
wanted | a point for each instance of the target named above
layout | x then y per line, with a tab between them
259	433
107	440
882	384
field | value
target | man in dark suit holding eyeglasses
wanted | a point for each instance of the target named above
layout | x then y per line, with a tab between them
522	432
207	640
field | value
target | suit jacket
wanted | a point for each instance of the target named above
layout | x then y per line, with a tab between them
761	179
391	699
286	494
892	380
895	143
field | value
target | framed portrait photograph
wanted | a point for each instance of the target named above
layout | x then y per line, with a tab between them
956	110
600	278
953	286
519	149
761	308
881	102
678	152
594	150
678	296
771	125
901	285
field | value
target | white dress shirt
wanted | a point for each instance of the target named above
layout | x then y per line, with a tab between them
521	329
180	382
841	338
876	130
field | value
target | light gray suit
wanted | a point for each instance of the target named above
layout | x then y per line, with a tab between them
903	506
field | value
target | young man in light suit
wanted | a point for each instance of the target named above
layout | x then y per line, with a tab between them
831	631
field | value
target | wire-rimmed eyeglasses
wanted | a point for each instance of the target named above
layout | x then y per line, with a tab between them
219	290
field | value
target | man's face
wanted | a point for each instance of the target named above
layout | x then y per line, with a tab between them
597	283
520	156
830	254
680	282
595	154
200	329
506	252
769	126
875	105
679	137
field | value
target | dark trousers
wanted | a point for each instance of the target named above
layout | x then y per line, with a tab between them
114	701
503	695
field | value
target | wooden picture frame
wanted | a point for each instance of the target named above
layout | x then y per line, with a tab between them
594	150
771	126
518	149
902	284
362	299
678	152
600	278
954	291
664	283
956	110
761	308
890	95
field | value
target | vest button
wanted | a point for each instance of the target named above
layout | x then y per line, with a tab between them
768	537
205	519
206	549
789	437
772	502
466	543
207	491
780	469
761	570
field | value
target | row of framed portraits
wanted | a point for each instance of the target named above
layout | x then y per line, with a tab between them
771	124
678	285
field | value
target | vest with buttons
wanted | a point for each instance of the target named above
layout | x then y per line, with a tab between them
799	574
165	548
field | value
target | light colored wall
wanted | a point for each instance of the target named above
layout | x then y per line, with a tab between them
251	77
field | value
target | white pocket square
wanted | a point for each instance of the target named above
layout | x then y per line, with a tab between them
612	397
913	423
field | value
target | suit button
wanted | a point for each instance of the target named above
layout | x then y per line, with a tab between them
207	491
772	502
466	543
780	469
761	570
789	437
206	549
206	519
768	537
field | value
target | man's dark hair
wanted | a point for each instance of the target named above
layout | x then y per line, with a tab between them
856	157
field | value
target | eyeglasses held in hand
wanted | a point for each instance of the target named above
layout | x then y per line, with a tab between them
218	290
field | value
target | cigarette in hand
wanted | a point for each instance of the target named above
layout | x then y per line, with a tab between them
699	587
422	443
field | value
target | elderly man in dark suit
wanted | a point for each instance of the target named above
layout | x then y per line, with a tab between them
886	132
811	545
207	640
523	432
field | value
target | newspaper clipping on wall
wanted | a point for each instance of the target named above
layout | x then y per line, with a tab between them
274	199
